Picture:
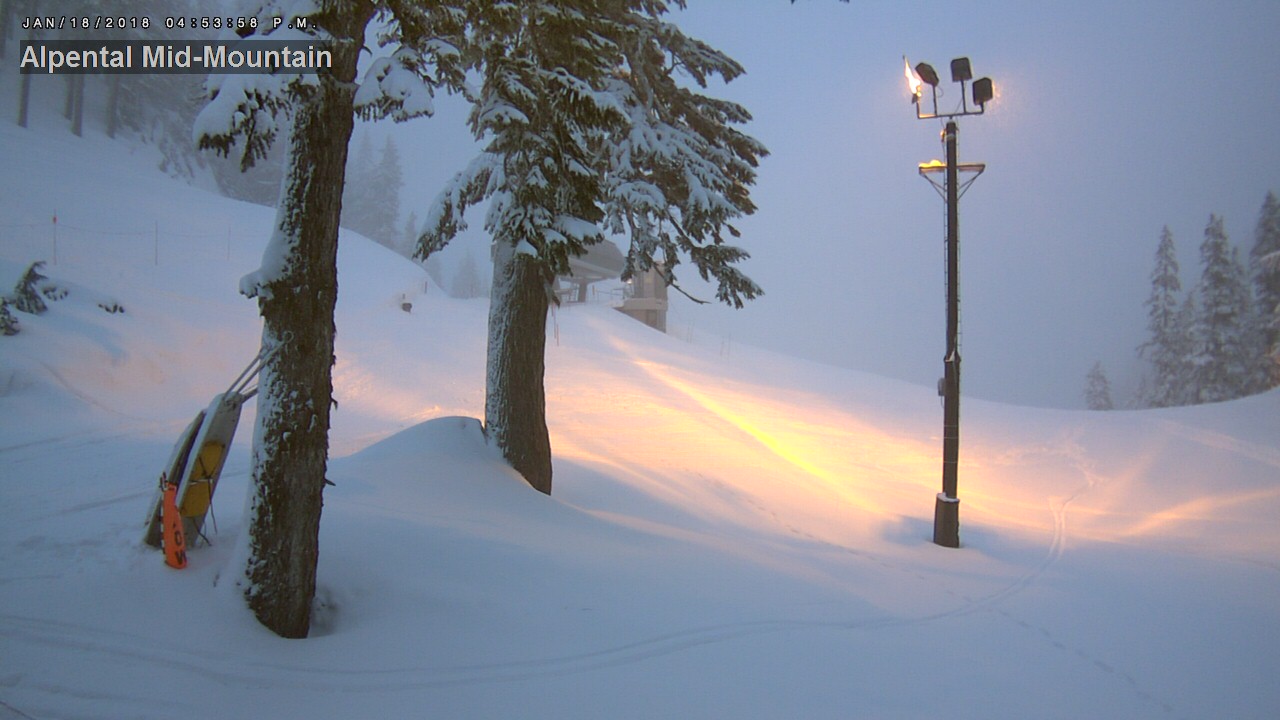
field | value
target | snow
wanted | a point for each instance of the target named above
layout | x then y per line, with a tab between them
733	534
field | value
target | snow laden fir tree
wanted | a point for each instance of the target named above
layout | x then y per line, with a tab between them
296	286
586	130
1167	346
1217	342
1264	264
1226	341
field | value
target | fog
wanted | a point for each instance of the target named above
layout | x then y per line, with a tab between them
1110	121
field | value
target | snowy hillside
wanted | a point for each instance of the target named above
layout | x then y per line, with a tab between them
733	534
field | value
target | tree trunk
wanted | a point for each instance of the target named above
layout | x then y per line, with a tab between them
24	99
77	105
69	100
6	12
113	105
515	413
291	441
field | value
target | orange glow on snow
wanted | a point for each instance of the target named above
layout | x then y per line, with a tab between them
742	453
653	434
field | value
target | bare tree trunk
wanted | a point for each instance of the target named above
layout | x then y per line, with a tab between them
24	100
69	100
515	413
113	105
295	389
6	15
77	105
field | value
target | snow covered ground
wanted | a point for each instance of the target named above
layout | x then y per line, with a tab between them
733	533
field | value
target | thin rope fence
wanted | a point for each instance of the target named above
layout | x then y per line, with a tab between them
70	240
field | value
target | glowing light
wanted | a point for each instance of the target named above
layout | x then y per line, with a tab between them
914	83
734	452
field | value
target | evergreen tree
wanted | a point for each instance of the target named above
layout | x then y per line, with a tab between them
371	198
355	201
1167	343
27	294
539	107
9	324
1188	321
1224	354
582	118
466	281
296	286
1264	265
160	109
383	197
680	172
1097	389
17	9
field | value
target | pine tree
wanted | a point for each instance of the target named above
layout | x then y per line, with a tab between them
1188	321
1264	266
582	117
9	324
1167	344
680	172
371	198
539	107
355	193
28	293
296	286
1097	390
1224	355
383	196
466	281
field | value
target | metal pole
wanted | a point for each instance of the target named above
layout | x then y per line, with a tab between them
946	518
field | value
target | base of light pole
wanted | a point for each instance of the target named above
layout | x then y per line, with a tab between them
946	521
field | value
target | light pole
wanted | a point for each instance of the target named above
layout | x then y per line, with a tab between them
946	512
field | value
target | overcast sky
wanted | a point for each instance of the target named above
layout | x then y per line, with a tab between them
1111	121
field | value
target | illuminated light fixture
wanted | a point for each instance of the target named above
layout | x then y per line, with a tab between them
983	92
946	514
961	72
914	83
927	74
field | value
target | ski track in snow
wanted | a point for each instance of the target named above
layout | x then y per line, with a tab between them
230	669
10	711
227	669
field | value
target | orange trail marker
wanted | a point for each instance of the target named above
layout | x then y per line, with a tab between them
175	545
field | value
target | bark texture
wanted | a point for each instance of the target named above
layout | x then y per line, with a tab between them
515	399
296	390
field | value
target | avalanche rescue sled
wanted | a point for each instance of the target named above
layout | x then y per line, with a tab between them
198	457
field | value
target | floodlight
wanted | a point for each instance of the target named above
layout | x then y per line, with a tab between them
960	70
927	74
914	83
983	92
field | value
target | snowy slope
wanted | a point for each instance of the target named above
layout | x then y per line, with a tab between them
733	534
